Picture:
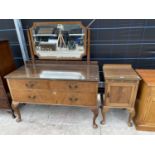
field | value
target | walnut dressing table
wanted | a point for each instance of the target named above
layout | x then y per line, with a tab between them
62	82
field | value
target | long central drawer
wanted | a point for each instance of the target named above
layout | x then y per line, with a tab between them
53	97
53	85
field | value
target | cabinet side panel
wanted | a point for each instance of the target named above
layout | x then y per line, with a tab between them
142	103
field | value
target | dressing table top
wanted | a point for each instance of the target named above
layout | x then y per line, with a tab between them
57	71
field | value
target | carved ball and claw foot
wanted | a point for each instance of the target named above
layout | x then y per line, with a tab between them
104	110
16	110
95	112
131	115
12	113
130	124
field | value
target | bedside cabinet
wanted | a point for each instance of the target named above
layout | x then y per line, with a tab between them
145	105
121	84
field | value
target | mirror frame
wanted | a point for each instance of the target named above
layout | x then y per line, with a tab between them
86	40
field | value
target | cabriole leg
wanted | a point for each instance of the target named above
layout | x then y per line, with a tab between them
95	112
12	113
131	115
104	110
16	110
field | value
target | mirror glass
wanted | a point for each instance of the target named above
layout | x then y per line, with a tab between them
59	41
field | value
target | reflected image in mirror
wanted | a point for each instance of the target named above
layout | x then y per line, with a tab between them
59	40
62	75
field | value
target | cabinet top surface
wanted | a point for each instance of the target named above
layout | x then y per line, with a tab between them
82	72
125	72
148	75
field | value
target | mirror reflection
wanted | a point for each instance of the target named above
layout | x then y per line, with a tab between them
62	75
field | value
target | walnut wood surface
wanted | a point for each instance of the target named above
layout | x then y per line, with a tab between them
62	85
28	86
145	105
121	84
54	97
6	58
114	71
6	66
148	75
4	100
69	62
2	92
34	71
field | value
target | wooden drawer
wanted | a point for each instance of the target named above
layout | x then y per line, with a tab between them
53	97
2	93
54	85
28	84
4	103
74	86
34	96
86	99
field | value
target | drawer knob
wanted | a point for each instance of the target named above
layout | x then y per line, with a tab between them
73	99
32	97
73	86
29	85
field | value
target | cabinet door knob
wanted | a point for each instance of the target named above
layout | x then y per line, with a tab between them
73	99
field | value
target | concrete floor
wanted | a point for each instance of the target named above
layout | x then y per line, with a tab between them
56	120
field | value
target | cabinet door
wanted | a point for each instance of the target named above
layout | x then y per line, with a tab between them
120	94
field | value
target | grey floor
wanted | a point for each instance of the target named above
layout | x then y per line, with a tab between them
56	120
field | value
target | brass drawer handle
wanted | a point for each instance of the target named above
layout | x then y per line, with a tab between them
29	85
73	99
32	97
73	86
